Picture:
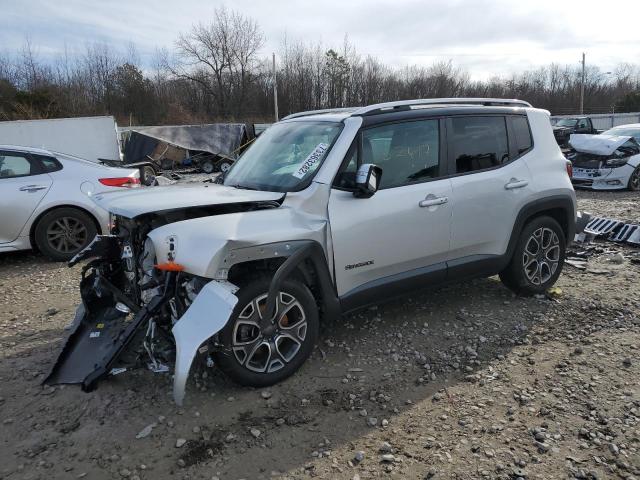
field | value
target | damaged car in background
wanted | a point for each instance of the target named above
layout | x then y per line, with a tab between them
327	212
605	162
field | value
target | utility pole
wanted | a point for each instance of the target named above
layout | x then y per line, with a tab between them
582	87
275	87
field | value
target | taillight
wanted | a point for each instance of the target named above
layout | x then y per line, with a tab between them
570	169
121	182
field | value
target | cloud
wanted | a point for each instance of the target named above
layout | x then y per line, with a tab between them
486	37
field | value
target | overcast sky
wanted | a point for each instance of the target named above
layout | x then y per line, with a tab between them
486	37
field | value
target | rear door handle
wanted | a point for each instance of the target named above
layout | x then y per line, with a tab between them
432	201
515	183
32	188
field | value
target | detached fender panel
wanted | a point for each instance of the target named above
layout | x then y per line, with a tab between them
207	315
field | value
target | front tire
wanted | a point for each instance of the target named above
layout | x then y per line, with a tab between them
634	180
63	232
538	258
253	359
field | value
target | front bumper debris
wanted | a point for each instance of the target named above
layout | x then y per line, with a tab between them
99	334
206	316
107	321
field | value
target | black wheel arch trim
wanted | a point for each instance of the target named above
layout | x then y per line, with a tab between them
564	203
297	253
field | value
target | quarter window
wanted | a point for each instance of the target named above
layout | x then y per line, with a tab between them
478	143
49	164
407	152
14	166
522	134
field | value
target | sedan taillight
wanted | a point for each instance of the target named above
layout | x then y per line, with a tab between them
570	169
121	182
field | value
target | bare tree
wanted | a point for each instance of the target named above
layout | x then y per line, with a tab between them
220	57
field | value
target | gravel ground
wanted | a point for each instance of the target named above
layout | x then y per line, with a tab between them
462	382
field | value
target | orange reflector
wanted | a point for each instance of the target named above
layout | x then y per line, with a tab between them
170	267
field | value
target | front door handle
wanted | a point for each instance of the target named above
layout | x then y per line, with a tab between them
432	201
515	183
32	188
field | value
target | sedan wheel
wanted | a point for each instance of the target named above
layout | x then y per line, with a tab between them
63	232
66	234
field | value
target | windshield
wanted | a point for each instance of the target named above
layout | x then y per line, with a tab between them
567	122
285	157
624	132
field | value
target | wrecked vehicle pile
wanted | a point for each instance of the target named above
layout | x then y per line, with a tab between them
603	162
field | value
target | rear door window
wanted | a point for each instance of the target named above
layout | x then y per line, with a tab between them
477	142
14	165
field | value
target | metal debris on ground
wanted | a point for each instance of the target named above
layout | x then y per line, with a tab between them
609	229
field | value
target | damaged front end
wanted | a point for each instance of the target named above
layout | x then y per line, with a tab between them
602	161
136	312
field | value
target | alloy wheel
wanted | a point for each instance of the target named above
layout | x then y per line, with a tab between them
67	234
268	354
541	256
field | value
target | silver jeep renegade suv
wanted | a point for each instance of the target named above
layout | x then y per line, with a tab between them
327	212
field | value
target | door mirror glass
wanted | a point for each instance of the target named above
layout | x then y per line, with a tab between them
367	180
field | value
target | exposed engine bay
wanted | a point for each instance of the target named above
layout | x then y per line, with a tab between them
138	311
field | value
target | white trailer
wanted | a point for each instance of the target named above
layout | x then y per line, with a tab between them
91	138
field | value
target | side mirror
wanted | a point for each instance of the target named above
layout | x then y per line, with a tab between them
367	180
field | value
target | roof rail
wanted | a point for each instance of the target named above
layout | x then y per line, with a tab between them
407	104
318	112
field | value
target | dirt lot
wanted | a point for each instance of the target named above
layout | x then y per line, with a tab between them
462	382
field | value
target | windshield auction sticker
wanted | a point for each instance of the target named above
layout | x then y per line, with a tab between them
311	161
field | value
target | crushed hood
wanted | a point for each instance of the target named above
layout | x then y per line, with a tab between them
597	144
135	202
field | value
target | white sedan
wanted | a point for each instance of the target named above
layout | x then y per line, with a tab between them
45	200
605	162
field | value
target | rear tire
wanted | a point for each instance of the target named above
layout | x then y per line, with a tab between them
538	258
224	166
148	175
254	360
207	166
63	232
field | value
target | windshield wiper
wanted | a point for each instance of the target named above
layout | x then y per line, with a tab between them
243	187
